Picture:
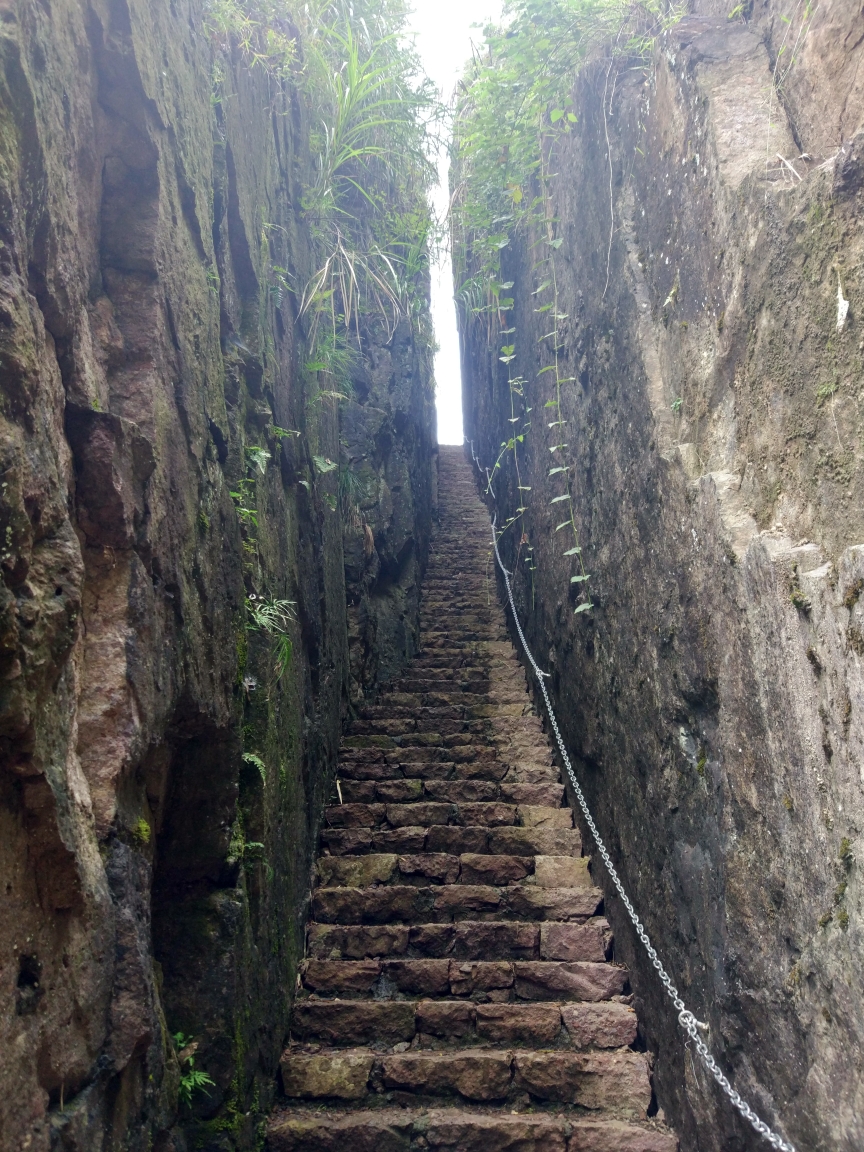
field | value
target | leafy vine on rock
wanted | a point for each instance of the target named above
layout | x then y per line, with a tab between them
516	105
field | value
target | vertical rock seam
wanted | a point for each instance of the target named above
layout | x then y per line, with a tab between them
459	989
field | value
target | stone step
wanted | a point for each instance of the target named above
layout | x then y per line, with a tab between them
453	840
458	992
492	814
444	868
451	694
551	941
404	790
440	765
447	903
498	981
459	1130
445	700
382	1023
616	1080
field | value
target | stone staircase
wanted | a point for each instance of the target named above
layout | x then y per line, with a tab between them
458	992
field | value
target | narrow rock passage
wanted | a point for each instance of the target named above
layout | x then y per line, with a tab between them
458	991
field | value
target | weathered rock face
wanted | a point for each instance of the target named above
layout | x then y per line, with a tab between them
162	772
714	697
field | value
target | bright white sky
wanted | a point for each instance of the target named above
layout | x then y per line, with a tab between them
443	36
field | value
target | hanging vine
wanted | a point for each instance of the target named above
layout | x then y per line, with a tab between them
515	106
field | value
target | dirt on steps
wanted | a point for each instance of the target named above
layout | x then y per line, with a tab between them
460	989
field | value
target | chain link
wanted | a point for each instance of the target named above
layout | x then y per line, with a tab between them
686	1019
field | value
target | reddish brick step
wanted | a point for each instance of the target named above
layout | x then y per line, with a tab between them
490	814
454	840
450	792
380	1024
498	980
616	1080
443	868
459	1130
466	940
445	903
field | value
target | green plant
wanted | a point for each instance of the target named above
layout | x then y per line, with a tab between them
796	596
373	118
853	593
255	760
257	458
247	853
336	360
259	31
192	1079
270	615
141	831
243	496
515	108
281	434
323	464
373	127
349	497
274	617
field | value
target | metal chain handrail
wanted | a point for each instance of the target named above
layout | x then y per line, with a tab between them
686	1019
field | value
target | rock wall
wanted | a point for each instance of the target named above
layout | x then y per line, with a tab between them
714	697
163	766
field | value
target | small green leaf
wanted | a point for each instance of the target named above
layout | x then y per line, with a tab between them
582	608
555	243
564	524
556	114
578	579
572	551
553	471
558	499
256	762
